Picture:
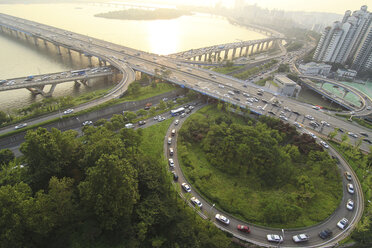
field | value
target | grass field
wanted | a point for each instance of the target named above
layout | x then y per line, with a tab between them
242	195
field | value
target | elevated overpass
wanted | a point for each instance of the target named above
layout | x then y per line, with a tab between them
204	81
237	49
366	102
36	83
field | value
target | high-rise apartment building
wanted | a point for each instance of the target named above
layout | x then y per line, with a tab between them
348	42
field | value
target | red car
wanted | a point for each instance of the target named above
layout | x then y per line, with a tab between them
244	229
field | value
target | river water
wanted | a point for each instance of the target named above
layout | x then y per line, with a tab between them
19	58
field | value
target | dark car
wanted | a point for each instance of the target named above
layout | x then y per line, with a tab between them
244	229
326	233
175	176
368	141
271	112
237	91
340	130
364	134
237	99
295	112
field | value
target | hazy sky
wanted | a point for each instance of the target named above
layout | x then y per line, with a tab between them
334	6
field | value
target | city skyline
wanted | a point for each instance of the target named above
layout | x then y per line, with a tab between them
332	6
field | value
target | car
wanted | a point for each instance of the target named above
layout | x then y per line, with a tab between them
352	134
274	238
324	123
186	187
245	94
295	112
169	140
350	188
283	118
369	108
171	162
231	93
342	224
161	118
237	91
264	100
271	112
313	135
221	86
364	134
340	130
300	238
244	228
171	151
176	122
20	126
316	107
141	123
350	204
287	109
175	176
68	111
326	233
309	117
368	141
347	175
298	125
325	145
196	202
173	133
222	219
314	124
237	99
87	123
156	118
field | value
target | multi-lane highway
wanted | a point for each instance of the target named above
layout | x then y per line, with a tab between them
215	85
203	81
258	233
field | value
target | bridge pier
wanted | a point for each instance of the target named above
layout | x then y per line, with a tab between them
241	51
59	49
35	41
200	57
45	43
226	54
233	54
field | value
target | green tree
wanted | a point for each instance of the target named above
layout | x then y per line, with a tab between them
333	134
129	116
141	112
13	205
50	154
110	191
3	117
134	88
6	155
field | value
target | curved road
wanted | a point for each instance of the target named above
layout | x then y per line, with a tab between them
258	233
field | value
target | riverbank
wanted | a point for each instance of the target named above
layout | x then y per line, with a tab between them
140	14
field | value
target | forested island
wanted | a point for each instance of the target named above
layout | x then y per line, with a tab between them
141	14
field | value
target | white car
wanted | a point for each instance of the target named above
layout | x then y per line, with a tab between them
309	117
186	187
274	238
85	123
350	204
222	219
300	238
68	111
352	135
221	86
169	140
196	202
325	145
313	135
20	126
342	224
350	188
171	162
176	122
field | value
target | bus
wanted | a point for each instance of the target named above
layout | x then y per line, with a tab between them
178	111
79	72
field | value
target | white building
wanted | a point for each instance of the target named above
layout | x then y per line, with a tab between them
348	42
314	69
286	86
346	73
